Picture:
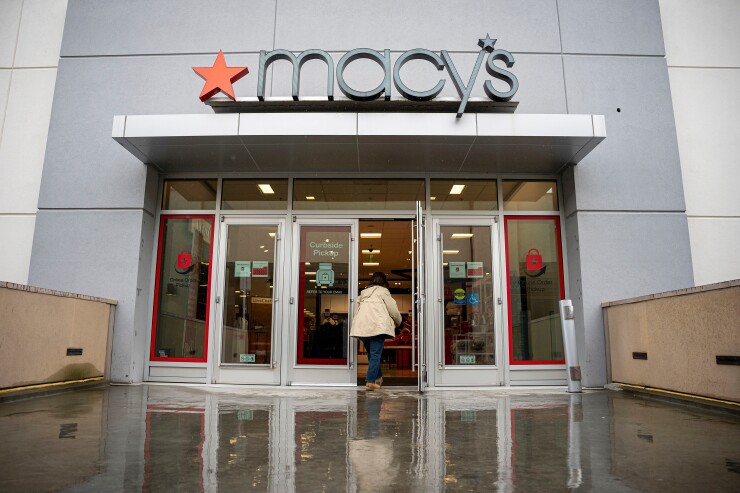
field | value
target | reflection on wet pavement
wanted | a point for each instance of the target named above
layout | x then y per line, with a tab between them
168	438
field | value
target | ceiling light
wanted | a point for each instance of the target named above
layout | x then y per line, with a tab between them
457	189
272	235
462	235
312	280
549	190
310	197
370	264
450	252
313	272
371	252
371	235
307	263
265	188
262	246
432	198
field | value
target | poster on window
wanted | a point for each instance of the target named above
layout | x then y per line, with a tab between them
242	268
457	270
475	270
260	268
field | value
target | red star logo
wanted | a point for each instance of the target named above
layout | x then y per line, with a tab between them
219	77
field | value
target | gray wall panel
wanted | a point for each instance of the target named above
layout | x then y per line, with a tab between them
96	253
142	27
637	167
338	25
84	167
622	256
620	27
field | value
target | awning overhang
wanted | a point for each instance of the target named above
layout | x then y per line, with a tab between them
360	142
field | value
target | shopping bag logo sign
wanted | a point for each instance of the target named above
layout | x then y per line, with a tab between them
184	262
534	264
534	260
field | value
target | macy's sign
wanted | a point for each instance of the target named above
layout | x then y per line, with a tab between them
219	77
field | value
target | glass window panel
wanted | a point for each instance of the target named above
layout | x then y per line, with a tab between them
357	194
468	295
248	306
470	195
323	296
522	195
535	288
189	195
182	294
254	194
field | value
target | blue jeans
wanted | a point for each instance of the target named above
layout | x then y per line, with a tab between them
374	348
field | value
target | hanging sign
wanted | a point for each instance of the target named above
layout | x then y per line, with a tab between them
242	268
475	269
260	268
457	270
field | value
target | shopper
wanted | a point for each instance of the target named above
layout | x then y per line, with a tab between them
376	318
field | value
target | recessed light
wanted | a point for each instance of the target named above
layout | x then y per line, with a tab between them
310	197
370	264
371	235
371	252
307	263
432	198
312	280
450	252
262	246
311	272
272	235
457	189
265	188
549	190
462	235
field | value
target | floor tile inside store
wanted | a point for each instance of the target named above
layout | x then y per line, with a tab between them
174	438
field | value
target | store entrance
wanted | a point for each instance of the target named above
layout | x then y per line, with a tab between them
387	246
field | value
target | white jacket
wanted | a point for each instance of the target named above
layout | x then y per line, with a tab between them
376	313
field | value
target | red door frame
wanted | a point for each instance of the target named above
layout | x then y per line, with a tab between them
152	356
556	219
300	359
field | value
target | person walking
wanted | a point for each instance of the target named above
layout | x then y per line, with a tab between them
376	319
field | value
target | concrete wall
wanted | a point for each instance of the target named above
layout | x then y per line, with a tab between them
702	42
94	233
30	39
36	328
682	334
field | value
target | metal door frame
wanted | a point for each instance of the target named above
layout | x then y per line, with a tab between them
464	376
234	373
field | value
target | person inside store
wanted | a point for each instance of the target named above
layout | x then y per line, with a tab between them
376	319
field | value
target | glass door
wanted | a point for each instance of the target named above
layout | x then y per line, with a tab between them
248	301
468	311
324	278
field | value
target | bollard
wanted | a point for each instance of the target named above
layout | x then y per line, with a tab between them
568	324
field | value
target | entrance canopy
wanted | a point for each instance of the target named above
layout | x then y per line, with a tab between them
360	142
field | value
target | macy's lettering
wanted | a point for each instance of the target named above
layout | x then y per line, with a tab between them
442	61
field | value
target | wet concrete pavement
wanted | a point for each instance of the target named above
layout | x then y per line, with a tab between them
170	438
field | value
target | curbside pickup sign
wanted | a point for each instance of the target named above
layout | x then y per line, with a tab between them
220	77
